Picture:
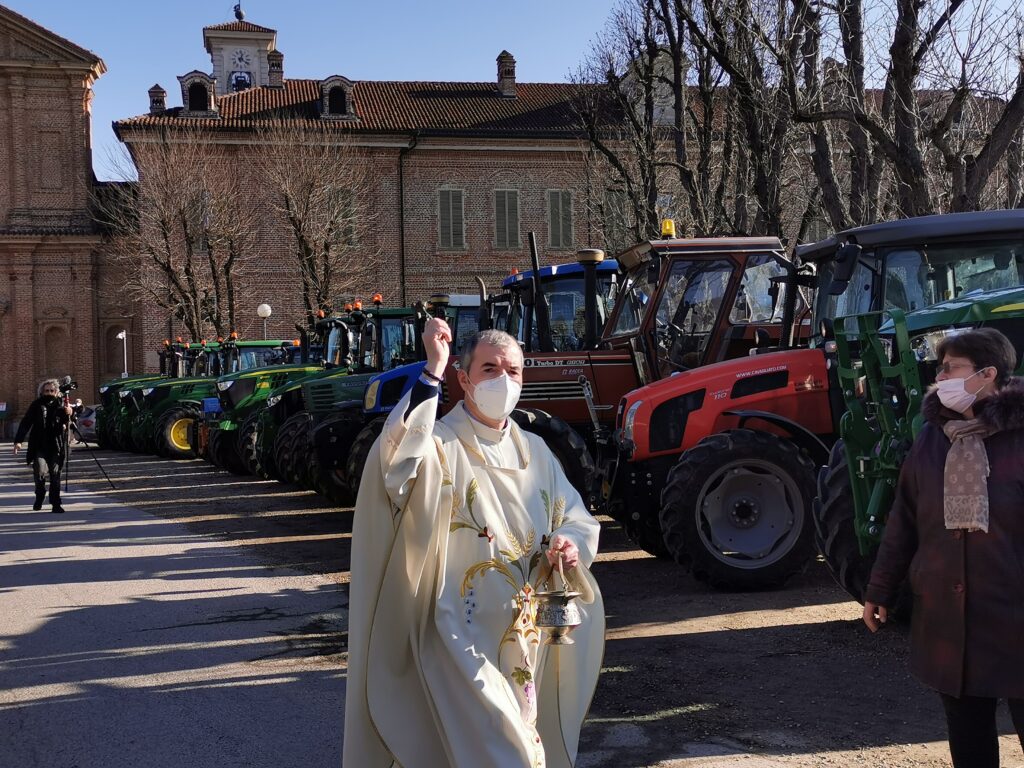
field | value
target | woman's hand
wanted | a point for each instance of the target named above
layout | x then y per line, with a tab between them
871	610
17	447
564	547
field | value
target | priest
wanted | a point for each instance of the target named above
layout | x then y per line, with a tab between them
460	521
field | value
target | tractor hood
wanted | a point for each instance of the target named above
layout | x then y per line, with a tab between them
967	309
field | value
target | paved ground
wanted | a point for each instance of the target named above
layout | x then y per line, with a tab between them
191	617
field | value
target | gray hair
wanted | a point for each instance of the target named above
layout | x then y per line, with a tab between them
495	338
44	384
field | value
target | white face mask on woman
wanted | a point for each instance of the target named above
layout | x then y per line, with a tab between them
496	398
954	395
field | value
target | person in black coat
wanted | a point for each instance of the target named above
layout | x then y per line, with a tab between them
956	530
46	424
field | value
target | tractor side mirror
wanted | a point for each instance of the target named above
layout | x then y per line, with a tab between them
845	263
654	270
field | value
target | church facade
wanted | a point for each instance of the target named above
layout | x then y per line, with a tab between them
54	320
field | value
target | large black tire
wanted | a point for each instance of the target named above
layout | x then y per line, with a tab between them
567	445
836	537
736	510
329	483
359	451
224	451
247	446
288	437
642	527
173	432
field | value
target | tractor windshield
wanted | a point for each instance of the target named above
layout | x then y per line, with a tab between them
919	277
688	310
337	347
636	292
392	338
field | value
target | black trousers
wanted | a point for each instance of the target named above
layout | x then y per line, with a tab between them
46	471
973	739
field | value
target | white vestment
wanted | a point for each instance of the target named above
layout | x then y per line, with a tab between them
446	668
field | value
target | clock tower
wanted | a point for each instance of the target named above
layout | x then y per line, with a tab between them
238	50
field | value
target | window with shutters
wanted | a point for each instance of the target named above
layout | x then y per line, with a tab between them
559	218
451	224
506	218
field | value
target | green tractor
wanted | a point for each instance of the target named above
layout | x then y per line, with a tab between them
884	363
227	434
166	410
382	339
180	359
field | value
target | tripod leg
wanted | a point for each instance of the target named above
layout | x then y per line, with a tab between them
83	441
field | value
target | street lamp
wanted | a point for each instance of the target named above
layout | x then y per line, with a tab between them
123	336
264	311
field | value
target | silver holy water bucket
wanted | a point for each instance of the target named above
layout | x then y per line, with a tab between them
557	612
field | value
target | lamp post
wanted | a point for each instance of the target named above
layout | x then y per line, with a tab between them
264	311
123	336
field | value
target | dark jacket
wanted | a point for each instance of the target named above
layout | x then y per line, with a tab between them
45	423
967	631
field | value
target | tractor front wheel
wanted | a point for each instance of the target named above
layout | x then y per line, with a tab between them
248	440
224	451
568	447
359	452
836	536
736	510
173	432
288	446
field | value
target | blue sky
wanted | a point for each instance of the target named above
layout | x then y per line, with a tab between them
145	42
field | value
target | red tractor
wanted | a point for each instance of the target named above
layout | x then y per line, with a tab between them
680	304
717	466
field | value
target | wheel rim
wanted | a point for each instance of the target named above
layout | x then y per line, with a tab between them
749	514
179	434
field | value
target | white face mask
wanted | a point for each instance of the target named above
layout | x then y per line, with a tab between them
496	398
954	395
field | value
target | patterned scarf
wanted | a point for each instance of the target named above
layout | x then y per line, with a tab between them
966	475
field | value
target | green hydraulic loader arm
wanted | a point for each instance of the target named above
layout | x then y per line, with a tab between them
881	384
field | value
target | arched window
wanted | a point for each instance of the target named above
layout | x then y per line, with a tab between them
57	349
337	101
198	98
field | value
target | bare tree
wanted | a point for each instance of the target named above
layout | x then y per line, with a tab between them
319	184
179	233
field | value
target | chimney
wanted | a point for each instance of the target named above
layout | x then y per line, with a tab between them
275	64
506	75
157	100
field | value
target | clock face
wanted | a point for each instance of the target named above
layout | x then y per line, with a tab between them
241	58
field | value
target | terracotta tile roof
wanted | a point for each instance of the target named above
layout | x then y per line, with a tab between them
383	106
239	26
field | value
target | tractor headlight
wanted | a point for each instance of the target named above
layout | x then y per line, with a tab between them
103	389
370	398
147	391
273	400
926	346
124	393
223	386
627	423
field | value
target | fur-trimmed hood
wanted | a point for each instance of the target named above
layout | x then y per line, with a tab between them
1001	411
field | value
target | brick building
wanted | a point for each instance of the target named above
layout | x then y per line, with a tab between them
461	171
53	320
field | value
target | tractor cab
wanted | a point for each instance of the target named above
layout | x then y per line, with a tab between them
514	308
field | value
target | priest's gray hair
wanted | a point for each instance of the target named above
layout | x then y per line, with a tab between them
44	384
495	338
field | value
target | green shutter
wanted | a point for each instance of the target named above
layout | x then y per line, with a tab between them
445	218
513	219
566	228
554	219
458	228
501	219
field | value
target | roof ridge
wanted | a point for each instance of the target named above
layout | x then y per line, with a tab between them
84	53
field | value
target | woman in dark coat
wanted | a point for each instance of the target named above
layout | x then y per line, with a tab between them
957	530
46	424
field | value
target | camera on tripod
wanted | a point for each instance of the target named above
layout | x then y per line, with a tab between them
67	384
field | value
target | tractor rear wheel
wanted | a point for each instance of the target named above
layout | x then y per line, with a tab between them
835	532
568	447
642	527
224	451
173	432
288	440
736	510
247	446
359	452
